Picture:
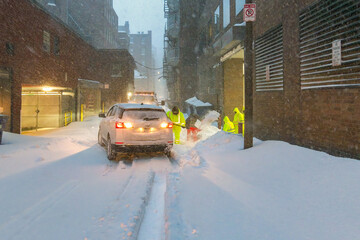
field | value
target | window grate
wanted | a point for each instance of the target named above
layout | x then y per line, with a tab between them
269	59
322	25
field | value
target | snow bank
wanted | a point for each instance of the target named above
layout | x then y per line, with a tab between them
198	103
272	191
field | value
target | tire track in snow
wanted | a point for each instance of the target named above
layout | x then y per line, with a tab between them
122	217
152	224
128	213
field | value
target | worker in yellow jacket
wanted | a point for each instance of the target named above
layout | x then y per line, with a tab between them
228	125
239	121
178	121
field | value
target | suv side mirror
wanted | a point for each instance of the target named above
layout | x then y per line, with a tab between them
162	103
102	115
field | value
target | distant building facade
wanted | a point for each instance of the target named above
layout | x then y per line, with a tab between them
124	36
141	50
96	20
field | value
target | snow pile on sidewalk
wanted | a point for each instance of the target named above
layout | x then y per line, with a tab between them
20	152
184	154
274	191
198	103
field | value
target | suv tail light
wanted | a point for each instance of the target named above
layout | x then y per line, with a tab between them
123	125
166	125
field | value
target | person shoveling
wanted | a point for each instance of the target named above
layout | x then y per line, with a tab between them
178	121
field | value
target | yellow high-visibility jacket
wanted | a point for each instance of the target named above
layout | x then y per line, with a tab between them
177	120
228	125
238	118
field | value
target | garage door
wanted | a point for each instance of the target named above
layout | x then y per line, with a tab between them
40	111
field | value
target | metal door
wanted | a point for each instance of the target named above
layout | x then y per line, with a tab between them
40	111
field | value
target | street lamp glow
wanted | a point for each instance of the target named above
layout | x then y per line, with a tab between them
129	94
47	89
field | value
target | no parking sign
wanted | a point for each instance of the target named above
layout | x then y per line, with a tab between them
249	12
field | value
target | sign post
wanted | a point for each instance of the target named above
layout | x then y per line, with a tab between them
249	17
249	12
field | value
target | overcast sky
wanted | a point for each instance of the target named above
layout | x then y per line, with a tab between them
144	15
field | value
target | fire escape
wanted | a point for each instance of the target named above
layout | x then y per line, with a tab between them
171	48
165	60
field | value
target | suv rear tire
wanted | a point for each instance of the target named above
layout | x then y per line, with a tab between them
167	152
100	140
111	154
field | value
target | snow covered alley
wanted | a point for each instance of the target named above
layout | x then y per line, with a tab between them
60	185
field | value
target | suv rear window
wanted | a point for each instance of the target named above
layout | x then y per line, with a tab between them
144	114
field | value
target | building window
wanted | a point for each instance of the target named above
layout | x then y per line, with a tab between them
217	21
142	51
330	52
226	13
56	45
239	6
269	62
116	70
10	49
52	2
46	41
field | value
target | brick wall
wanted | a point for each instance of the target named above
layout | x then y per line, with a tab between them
331	120
269	115
323	119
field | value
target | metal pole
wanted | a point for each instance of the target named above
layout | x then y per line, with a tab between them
248	133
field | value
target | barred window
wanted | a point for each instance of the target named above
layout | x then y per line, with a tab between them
330	44
269	61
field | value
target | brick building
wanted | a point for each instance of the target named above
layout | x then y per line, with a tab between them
96	20
41	63
221	55
306	76
301	95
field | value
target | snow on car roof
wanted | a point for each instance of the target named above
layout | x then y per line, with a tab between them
137	106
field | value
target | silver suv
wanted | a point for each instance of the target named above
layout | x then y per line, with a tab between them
135	128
